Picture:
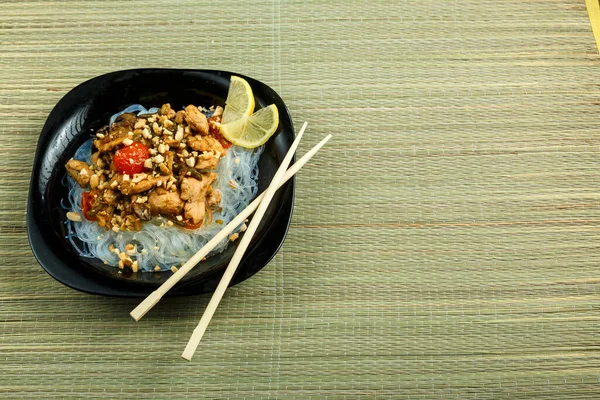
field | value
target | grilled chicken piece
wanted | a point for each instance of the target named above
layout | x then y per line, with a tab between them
207	161
190	189
194	191
94	158
104	145
118	132
165	202
195	212
196	119
79	171
214	198
130	187
206	144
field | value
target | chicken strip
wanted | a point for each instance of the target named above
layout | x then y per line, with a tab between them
206	144
118	132
79	171
195	211
194	191
196	119
165	202
131	187
207	161
214	198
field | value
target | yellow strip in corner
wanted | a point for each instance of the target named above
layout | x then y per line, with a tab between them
593	8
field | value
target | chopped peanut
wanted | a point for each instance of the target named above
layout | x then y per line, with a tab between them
179	133
140	123
130	249
73	216
94	181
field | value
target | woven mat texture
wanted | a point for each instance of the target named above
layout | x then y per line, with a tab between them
445	244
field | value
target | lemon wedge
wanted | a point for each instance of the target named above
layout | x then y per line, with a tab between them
254	130
240	100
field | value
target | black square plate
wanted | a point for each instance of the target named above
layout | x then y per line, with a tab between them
88	107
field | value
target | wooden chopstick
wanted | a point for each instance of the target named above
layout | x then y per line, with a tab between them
155	296
239	252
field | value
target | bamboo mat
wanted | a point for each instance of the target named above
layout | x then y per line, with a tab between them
444	245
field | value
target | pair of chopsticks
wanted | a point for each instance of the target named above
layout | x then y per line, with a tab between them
260	204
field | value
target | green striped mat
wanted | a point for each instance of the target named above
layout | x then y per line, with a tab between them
445	244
